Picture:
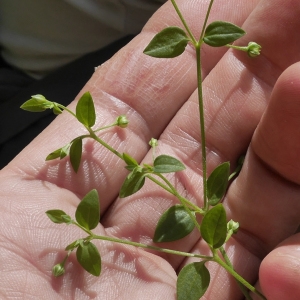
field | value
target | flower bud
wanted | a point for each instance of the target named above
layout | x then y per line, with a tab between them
253	49
122	121
233	226
58	270
39	97
153	142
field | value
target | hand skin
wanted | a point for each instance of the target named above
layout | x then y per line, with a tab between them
250	104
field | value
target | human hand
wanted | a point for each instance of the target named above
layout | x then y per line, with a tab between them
150	92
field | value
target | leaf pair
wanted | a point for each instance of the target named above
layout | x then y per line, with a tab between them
136	178
87	215
74	149
85	114
172	41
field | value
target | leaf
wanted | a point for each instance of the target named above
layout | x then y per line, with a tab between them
56	110
132	184
130	161
221	33
88	211
167	164
89	258
168	43
37	103
73	245
238	167
59	153
214	226
217	183
85	110
193	281
174	224
55	215
75	154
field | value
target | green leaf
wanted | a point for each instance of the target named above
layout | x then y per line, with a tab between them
167	164
217	183
238	167
130	161
193	281
89	258
85	110
56	110
168	43
56	216
221	33
73	245
37	103
59	153
214	226
88	211
133	183
174	224
75	154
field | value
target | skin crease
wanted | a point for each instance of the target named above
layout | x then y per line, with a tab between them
249	103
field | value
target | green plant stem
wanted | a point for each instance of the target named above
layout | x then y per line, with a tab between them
241	48
202	127
96	138
241	286
205	22
106	127
66	109
183	202
171	191
184	22
238	277
140	245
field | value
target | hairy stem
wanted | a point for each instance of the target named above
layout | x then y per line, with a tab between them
202	126
184	22
140	245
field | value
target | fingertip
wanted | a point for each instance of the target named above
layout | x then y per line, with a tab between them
280	271
276	140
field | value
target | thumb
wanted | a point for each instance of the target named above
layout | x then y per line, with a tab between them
280	271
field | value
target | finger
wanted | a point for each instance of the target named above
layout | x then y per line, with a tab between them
279	271
262	199
270	178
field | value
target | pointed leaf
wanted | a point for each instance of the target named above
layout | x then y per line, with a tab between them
75	154
53	155
174	224
37	103
214	226
59	153
168	43
217	183
55	215
89	258
73	245
132	184
167	164
130	161
221	33
193	281
85	110
88	211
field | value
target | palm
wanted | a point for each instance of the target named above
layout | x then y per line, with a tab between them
236	89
